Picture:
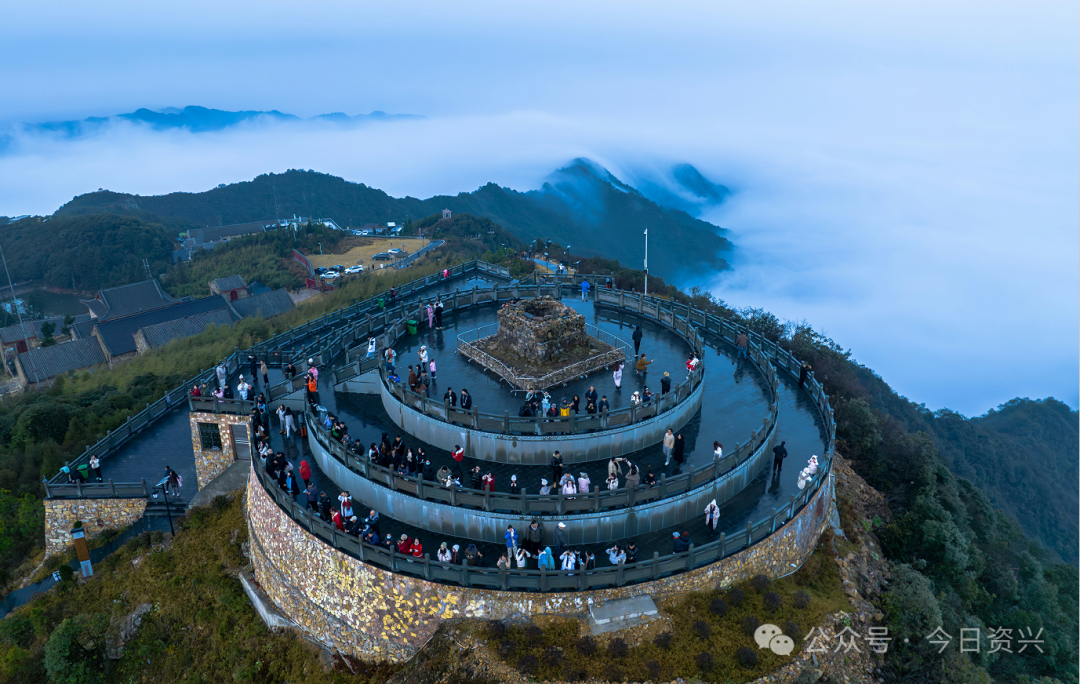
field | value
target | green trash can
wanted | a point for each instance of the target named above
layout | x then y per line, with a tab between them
84	470
412	326
382	303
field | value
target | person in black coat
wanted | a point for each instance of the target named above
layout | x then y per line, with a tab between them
427	471
591	395
450	397
466	400
637	340
665	384
804	373
779	454
679	449
556	466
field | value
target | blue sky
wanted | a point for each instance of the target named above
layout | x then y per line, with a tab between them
906	172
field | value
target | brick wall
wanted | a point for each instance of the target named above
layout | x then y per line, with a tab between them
95	514
373	614
209	463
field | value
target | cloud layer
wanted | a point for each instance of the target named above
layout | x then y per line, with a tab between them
905	175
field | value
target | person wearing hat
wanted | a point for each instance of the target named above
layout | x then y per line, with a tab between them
665	384
560	538
422	354
545	488
513	488
444	553
681	542
583	483
404	545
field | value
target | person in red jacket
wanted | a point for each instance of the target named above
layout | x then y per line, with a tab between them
305	473
489	482
338	522
404	546
417	550
458	453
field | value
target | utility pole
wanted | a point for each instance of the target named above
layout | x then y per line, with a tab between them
646	260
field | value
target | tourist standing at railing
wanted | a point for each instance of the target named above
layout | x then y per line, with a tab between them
243	388
521	557
681	543
324	506
503	563
512	540
430	317
371	345
391	357
444	553
585	290
779	454
312	497
489	482
583	483
412	378
804	373
438	314
633	478
534	536
637	339
289	372
312	390
616	555
743	343
252	366
669	444
265	370
95	467
473	557
449	396
616	375
575	405
631	552
591	395
389	545
718	450
569	559
612	482
545	487
650	478
466	400
305	473
335	517
220	373
568	485
427	471
635	399
513	486
603	405
404	545
195	391
712	517
665	384
476	477
281	418
692	364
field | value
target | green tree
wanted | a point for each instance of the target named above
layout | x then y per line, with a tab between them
47	330
74	653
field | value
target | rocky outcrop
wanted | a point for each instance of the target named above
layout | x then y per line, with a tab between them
121	632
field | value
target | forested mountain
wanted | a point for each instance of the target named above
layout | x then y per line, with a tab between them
581	205
87	252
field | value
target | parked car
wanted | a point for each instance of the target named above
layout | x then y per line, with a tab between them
382	256
330	275
353	270
397	251
320	269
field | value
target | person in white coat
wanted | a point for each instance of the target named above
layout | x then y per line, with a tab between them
616	375
371	347
712	517
569	487
569	559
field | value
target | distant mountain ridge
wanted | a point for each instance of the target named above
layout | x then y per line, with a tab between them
581	205
200	120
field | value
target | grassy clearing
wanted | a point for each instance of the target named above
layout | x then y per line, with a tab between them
201	628
361	253
701	636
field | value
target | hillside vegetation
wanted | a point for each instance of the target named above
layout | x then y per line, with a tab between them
581	205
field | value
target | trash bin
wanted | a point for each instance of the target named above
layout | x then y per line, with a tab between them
84	471
382	303
411	324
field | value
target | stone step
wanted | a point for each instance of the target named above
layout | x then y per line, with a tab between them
613	614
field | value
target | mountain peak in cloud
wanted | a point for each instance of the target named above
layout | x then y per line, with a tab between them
201	119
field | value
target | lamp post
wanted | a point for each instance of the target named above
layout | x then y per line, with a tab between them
646	261
168	510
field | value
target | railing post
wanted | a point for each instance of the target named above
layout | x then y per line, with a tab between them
146	492
722	544
690	557
427	566
749	533
791	507
78	487
112	487
773	521
596	497
506	422
663	485
656	565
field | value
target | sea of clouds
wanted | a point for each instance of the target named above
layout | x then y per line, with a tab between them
904	175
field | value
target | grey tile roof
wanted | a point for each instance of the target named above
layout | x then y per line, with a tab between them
119	333
201	235
96	306
41	364
135	298
84	329
233	282
14	333
160	334
264	305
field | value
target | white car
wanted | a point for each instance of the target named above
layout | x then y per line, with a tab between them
330	275
397	251
353	270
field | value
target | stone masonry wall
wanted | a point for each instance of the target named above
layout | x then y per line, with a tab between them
96	515
209	463
540	330
367	612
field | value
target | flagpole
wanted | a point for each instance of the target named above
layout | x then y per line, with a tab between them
646	260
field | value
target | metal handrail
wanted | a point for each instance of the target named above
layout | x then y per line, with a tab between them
545	580
555	502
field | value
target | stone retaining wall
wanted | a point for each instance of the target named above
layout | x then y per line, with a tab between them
373	614
96	515
209	463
